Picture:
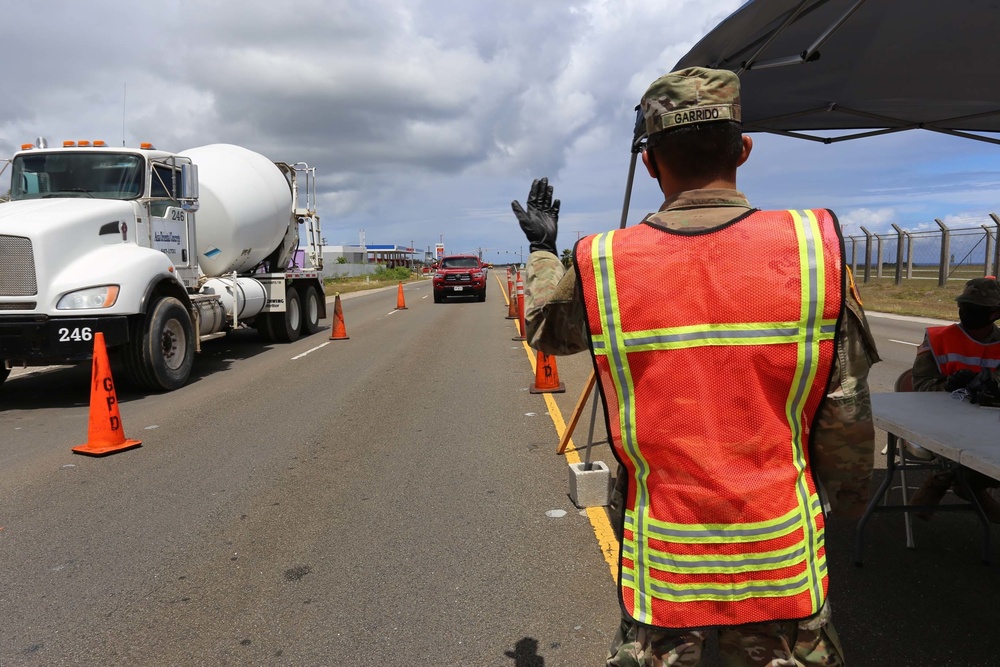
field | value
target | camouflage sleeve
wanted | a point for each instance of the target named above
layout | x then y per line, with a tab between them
553	311
843	447
926	375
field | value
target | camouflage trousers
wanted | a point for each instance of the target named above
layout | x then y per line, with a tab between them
809	643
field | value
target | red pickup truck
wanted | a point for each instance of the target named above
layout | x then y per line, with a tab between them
460	275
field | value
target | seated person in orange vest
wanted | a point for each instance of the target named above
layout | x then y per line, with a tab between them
949	359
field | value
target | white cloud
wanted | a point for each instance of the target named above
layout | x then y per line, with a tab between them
427	117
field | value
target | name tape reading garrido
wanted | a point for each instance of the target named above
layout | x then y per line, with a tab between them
699	115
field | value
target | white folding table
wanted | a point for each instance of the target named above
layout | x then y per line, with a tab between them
958	430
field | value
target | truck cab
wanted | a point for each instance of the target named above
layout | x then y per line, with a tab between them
102	239
459	275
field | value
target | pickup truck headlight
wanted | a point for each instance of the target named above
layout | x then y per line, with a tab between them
439	276
477	274
89	299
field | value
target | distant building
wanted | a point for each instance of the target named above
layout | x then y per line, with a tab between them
359	260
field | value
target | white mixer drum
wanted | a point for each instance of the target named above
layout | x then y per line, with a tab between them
245	207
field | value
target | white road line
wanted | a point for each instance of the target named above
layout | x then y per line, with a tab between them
903	342
391	312
299	356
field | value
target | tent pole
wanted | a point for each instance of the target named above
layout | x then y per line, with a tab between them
628	190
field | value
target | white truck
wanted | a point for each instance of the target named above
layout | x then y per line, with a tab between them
159	251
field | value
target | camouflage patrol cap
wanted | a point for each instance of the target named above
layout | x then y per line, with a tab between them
981	292
689	96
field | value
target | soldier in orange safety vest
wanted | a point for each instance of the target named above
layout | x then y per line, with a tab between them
732	354
949	359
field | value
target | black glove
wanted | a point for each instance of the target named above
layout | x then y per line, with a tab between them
541	220
958	379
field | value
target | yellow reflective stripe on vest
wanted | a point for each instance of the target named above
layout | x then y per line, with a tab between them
714	533
806	334
727	593
723	564
621	376
813	279
740	333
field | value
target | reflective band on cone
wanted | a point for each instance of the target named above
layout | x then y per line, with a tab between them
105	434
520	308
511	297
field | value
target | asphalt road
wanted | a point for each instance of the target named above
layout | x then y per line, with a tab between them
391	499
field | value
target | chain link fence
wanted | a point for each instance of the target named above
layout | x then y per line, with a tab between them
941	254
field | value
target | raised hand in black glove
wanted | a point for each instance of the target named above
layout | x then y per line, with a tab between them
541	221
958	379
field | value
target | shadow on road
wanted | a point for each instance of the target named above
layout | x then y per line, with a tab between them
525	653
69	386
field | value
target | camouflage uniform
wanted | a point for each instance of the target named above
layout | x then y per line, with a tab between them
842	454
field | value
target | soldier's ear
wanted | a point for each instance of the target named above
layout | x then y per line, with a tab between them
745	153
649	160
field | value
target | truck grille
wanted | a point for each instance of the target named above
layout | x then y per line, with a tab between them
17	305
17	267
457	277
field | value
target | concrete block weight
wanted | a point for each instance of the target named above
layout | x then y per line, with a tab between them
590	488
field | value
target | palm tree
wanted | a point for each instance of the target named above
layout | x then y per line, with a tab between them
567	258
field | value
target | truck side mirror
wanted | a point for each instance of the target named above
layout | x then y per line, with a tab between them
188	186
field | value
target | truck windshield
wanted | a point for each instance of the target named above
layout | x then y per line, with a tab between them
76	174
460	263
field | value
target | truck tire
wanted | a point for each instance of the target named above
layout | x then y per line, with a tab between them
262	323
310	312
481	297
160	351
287	326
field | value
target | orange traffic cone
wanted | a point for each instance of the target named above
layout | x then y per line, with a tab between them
511	298
339	332
546	376
520	309
400	301
105	434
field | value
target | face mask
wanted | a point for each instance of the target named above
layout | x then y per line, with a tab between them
975	317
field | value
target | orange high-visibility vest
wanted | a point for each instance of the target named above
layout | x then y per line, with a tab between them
955	350
713	350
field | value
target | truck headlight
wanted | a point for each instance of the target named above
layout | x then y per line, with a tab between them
89	299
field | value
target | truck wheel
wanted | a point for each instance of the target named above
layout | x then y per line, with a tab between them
160	352
481	296
288	325
310	312
262	323
438	298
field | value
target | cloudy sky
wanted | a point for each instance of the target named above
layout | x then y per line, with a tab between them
425	118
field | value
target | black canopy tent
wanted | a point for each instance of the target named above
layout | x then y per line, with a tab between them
870	66
861	68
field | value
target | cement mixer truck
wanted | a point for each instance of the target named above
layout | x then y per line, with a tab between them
158	251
